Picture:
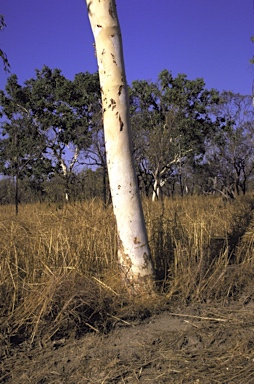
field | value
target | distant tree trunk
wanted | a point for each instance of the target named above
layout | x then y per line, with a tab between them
133	250
156	185
156	190
67	172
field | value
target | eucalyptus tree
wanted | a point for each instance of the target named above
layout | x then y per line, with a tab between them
231	158
95	153
22	148
133	249
22	155
96	158
172	124
62	113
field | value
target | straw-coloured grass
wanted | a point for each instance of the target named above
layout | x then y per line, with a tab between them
59	279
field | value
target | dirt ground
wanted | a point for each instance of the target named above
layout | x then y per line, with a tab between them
190	344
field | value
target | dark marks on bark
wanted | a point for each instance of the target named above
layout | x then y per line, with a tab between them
121	123
114	58
136	240
112	104
110	10
120	90
88	8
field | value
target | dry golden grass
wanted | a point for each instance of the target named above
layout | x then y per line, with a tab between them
198	242
59	266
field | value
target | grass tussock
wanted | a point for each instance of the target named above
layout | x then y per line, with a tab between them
59	271
202	246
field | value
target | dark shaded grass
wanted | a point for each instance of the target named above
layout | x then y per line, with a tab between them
59	280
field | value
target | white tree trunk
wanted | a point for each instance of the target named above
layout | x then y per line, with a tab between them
67	170
156	190
133	249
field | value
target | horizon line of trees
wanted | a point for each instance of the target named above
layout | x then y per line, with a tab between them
186	138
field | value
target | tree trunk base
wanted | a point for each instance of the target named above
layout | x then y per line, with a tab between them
136	284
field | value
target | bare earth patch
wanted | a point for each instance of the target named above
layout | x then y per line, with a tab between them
192	344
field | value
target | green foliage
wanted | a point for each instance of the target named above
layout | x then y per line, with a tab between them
2	54
252	60
23	149
186	137
230	160
53	112
59	106
193	104
172	122
189	100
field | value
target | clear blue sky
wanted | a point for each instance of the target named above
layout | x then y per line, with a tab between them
201	38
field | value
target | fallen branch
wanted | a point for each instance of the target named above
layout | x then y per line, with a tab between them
197	317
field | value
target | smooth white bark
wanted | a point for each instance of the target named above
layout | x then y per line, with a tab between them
133	249
67	170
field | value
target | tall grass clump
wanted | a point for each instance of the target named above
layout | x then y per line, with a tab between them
44	252
202	246
59	269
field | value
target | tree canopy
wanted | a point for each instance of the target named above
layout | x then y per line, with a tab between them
186	138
